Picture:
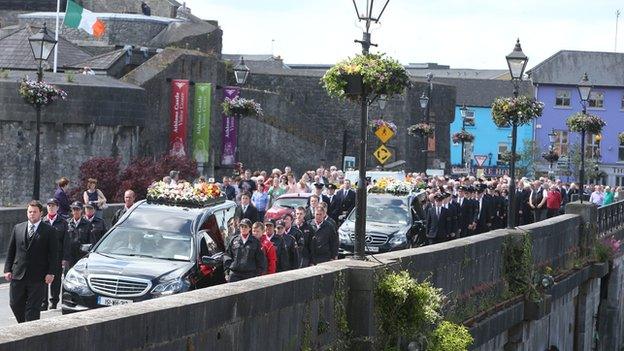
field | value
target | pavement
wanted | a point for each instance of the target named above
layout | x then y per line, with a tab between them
6	315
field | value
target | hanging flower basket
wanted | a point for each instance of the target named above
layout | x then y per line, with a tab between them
241	107
420	129
373	74
551	156
463	136
520	110
40	93
580	122
378	123
506	157
621	137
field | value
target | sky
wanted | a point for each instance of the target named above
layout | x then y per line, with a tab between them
459	33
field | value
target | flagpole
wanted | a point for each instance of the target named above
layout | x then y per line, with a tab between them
56	34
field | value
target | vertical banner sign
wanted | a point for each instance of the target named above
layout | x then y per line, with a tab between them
179	116
201	122
230	131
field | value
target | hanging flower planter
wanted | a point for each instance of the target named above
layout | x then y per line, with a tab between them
506	157
420	129
241	107
371	74
378	123
551	156
621	137
463	136
580	122
40	93
521	110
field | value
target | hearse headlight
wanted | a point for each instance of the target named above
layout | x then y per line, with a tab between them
76	282
170	287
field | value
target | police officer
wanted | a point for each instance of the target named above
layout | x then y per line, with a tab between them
243	256
290	260
333	202
78	233
54	219
303	236
324	243
280	245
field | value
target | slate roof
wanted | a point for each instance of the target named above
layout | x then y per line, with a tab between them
176	31
567	66
259	63
463	73
17	54
482	92
101	62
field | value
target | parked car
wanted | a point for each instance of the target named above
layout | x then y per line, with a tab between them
287	203
391	224
154	250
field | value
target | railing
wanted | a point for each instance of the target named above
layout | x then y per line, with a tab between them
610	217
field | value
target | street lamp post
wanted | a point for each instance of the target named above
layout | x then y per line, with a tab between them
464	113
42	45
552	136
425	105
517	62
368	17
241	73
584	88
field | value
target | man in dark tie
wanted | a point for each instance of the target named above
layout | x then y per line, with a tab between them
30	264
333	202
436	221
246	209
347	198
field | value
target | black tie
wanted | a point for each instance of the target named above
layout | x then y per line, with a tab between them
31	231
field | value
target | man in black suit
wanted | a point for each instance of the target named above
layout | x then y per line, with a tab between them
346	196
246	209
228	189
54	219
30	264
333	202
485	210
466	214
129	197
436	221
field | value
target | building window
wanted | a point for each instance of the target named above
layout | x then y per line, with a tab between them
622	103
621	152
596	99
619	181
469	121
592	146
502	148
563	98
561	142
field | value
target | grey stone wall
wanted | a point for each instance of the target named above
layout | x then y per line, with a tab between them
164	8
100	117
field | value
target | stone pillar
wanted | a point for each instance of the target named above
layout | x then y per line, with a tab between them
589	225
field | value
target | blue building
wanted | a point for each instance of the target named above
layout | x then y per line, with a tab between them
490	141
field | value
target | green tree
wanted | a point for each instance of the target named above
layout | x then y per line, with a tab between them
591	164
529	158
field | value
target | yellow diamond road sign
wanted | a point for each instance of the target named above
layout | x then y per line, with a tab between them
382	154
384	133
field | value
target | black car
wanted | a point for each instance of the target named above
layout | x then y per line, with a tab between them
154	250
392	223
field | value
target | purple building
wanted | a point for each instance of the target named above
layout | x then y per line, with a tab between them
555	82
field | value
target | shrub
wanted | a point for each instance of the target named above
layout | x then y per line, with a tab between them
106	170
449	336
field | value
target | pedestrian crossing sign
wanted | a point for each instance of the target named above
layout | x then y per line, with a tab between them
384	133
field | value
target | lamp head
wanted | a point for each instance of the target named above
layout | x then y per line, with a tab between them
517	62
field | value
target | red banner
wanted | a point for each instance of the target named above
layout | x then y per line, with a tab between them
178	108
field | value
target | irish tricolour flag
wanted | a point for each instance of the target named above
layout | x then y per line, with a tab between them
77	17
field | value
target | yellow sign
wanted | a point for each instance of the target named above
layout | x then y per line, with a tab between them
382	154
384	133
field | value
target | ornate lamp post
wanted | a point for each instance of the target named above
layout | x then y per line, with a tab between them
424	104
42	45
517	62
552	137
241	72
584	87
371	15
464	112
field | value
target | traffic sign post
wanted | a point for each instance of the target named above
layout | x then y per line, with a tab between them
480	159
384	133
382	154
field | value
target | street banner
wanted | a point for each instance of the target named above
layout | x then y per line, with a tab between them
201	122
230	131
178	108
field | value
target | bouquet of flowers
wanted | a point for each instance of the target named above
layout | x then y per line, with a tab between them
40	93
463	136
579	122
551	156
420	129
241	107
183	194
378	123
391	186
379	75
520	110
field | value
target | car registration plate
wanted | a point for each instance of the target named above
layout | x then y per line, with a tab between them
109	301
371	249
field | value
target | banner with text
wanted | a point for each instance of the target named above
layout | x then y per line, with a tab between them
201	122
178	108
230	131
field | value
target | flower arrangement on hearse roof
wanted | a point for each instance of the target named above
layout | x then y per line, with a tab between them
391	186
184	194
241	107
378	75
40	93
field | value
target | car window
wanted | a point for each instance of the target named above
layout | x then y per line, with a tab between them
141	242
291	202
386	209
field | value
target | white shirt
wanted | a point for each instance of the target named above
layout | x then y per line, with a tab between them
34	225
244	239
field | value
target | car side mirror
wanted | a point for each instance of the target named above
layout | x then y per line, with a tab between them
214	260
85	247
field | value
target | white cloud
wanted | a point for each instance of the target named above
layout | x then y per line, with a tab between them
472	34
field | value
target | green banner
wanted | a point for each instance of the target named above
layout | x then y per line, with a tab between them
201	122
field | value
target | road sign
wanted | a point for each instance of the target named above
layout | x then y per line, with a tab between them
384	133
382	154
480	159
348	163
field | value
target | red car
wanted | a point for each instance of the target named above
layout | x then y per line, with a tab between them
287	203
